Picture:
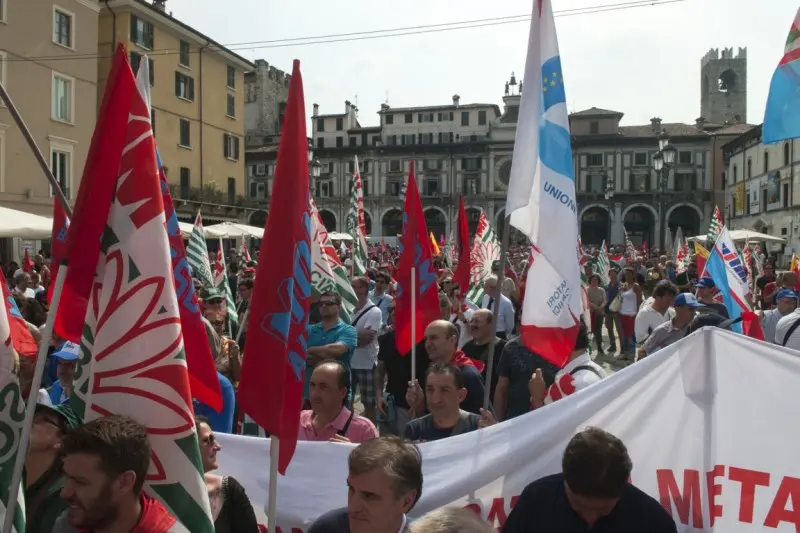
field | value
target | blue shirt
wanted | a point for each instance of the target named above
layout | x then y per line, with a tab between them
221	422
318	336
56	393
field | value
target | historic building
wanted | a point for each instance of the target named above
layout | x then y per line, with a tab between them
467	149
760	192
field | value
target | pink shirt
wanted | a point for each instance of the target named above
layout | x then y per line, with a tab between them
360	429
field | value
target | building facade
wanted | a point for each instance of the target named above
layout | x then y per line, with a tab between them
197	90
42	49
760	188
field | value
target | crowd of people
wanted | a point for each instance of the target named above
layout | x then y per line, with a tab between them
360	389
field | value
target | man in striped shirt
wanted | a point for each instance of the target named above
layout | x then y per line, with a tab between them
786	300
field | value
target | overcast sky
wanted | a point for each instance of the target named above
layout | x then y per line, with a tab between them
644	62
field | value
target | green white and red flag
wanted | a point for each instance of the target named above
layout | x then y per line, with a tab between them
714	228
133	356
356	224
485	251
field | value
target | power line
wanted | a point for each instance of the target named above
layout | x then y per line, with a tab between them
376	34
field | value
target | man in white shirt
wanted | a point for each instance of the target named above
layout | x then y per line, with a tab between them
785	304
655	311
380	297
505	319
368	321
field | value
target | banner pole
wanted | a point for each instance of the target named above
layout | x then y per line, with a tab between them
413	323
30	408
272	505
487	386
37	153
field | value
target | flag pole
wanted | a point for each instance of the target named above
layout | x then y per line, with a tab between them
272	505
30	409
487	388
413	323
37	153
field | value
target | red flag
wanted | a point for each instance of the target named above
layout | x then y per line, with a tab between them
58	244
27	264
461	275
383	246
21	336
415	252
751	325
273	368
92	204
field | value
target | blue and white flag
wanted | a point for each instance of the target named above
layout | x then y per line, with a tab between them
541	197
726	269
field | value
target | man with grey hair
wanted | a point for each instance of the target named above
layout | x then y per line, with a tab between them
505	317
451	520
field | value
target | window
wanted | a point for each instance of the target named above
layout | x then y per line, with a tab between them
685	158
331	167
184	56
320	124
231	191
445	137
62	98
766	161
185	138
62	27
2	10
471	187
735	173
339	124
394	188
365	186
430	187
320	142
409	118
136	60
640	159
258	190
323	189
426	138
389	119
363	166
686	182
61	166
231	111
351	167
639	182
395	166
375	140
471	163
352	141
142	32
481	118
594	127
184	86
231	81
465	118
595	160
230	146
185	184
339	142
391	140
749	168
425	117
785	198
432	164
261	170
3	59
403	139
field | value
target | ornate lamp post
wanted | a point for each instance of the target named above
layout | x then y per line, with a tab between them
662	163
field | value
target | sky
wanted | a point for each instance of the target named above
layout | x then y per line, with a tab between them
644	62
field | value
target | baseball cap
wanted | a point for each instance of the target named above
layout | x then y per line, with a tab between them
211	293
706	283
70	419
786	293
69	351
686	299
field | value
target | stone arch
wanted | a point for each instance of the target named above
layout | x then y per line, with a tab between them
646	206
329	219
590	206
595	224
368	222
258	218
437	223
641	222
688	217
392	223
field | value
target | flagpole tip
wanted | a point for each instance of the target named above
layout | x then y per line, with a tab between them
296	65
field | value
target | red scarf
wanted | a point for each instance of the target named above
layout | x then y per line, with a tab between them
460	359
155	518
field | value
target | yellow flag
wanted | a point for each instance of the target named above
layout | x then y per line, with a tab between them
434	245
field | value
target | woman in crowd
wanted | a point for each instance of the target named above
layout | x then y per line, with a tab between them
230	506
631	296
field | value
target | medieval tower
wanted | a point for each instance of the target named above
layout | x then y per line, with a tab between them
723	79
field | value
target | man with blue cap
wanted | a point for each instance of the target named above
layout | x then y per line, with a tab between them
673	330
706	290
67	360
785	304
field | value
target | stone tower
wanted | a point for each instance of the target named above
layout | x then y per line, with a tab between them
723	79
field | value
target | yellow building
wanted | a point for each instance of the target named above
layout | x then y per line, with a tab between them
197	98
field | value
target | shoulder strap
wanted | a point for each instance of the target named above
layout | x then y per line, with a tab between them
361	314
590	368
343	431
789	332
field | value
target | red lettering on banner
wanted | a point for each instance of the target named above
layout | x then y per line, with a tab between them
686	501
714	490
497	512
749	479
789	489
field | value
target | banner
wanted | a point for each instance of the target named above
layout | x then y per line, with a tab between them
706	423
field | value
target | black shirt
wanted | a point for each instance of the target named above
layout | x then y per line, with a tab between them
423	429
518	363
398	368
478	352
335	521
543	508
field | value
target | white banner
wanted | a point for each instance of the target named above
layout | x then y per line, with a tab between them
708	422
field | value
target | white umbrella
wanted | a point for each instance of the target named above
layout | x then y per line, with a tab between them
741	235
24	225
232	230
186	229
340	236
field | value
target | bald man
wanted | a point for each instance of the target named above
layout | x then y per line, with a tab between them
481	329
441	343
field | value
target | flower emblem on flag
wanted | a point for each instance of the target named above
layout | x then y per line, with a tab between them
483	255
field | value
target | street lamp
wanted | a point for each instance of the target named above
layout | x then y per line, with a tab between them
609	187
316	168
662	163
